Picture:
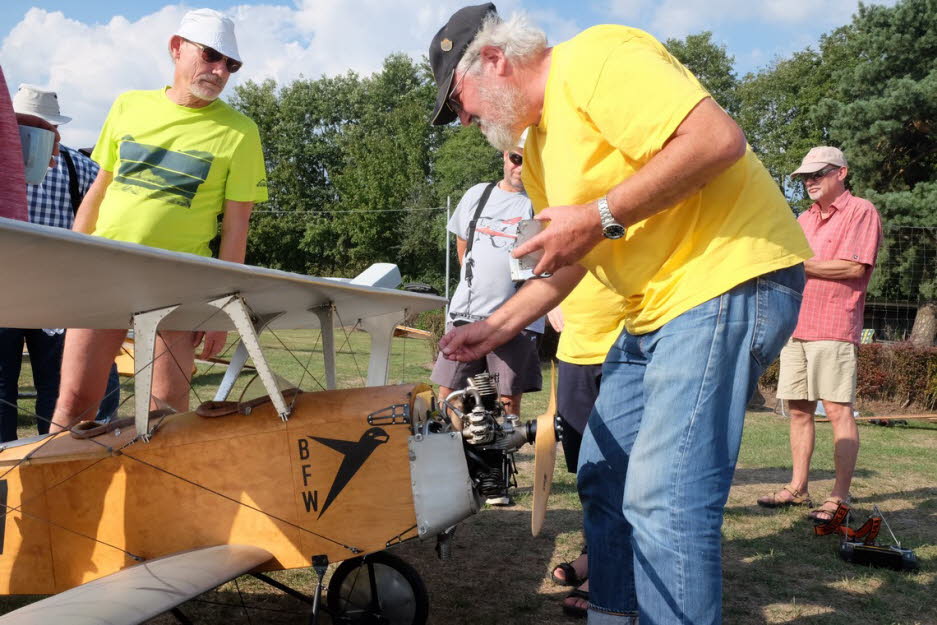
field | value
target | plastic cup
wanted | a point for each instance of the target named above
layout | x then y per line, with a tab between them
37	151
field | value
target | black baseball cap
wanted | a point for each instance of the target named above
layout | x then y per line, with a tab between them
446	51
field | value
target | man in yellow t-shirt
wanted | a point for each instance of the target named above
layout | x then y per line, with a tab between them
650	186
172	160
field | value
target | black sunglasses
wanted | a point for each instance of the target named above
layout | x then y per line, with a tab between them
516	158
818	174
210	55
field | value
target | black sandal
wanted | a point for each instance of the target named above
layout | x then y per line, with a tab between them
571	577
575	610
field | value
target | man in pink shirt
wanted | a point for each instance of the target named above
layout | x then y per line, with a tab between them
819	361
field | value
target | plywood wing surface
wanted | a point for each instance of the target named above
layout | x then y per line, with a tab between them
142	591
54	278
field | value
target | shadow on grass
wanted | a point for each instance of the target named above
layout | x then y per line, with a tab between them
782	475
792	576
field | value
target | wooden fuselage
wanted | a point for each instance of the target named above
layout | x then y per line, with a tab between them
324	482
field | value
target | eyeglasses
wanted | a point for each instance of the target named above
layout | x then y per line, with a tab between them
516	158
210	55
454	105
818	174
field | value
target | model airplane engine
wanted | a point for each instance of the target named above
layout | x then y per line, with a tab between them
491	435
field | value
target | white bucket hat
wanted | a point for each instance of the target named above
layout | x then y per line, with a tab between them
40	102
210	28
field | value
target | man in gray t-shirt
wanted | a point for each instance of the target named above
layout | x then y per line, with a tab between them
485	283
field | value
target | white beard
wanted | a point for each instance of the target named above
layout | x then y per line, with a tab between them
501	131
204	91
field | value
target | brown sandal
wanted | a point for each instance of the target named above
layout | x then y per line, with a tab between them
797	499
824	513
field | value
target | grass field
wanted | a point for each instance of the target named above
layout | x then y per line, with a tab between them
775	570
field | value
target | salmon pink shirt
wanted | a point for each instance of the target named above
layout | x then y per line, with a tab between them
832	310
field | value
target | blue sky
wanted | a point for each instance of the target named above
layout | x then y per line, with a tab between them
90	51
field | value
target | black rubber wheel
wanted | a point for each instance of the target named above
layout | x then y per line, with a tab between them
377	588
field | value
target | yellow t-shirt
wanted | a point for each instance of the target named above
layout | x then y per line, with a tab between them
593	317
614	96
173	169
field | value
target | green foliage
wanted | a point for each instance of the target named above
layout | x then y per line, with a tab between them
357	175
711	64
883	113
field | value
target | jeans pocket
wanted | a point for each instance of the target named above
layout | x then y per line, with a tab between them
777	307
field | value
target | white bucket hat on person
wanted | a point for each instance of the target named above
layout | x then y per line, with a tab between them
210	28
40	102
819	157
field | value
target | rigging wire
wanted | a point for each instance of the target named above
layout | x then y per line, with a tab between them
348	342
50	438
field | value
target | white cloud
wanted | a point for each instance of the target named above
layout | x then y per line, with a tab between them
90	64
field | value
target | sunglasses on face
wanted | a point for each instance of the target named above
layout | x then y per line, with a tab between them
516	158
210	55
818	174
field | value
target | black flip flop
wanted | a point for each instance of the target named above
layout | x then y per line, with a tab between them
576	611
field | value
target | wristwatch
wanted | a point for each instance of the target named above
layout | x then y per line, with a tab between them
611	229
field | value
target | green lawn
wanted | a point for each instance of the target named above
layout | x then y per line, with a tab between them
776	571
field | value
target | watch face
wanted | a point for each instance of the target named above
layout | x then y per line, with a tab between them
613	231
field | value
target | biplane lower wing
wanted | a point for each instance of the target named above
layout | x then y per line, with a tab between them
61	279
143	591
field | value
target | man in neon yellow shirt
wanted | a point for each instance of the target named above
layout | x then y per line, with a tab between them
648	184
172	160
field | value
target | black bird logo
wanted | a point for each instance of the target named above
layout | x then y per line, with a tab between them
356	454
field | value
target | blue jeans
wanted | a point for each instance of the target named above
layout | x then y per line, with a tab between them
45	357
660	449
111	401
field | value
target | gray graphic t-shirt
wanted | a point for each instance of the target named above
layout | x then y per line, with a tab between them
491	283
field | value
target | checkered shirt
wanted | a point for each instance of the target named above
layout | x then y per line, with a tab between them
832	310
49	202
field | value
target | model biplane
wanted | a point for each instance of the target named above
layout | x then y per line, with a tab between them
162	507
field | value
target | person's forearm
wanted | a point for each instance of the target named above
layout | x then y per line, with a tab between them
707	144
234	228
834	269
86	218
535	299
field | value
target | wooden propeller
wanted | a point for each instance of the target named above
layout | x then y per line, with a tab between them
544	458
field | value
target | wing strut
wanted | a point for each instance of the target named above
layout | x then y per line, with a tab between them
240	358
240	315
145	325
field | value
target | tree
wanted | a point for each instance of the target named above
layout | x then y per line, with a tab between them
883	113
711	64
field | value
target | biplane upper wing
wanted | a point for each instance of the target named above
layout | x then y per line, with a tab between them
54	278
143	591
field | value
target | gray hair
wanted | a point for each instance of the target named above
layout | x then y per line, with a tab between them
517	37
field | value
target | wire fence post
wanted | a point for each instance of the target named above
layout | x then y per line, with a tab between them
446	230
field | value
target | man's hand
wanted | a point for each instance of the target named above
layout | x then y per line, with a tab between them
214	343
471	341
573	232
25	119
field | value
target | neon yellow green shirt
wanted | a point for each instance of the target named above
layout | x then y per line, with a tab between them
173	169
613	97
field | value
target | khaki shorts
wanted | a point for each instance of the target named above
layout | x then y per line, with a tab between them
815	370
